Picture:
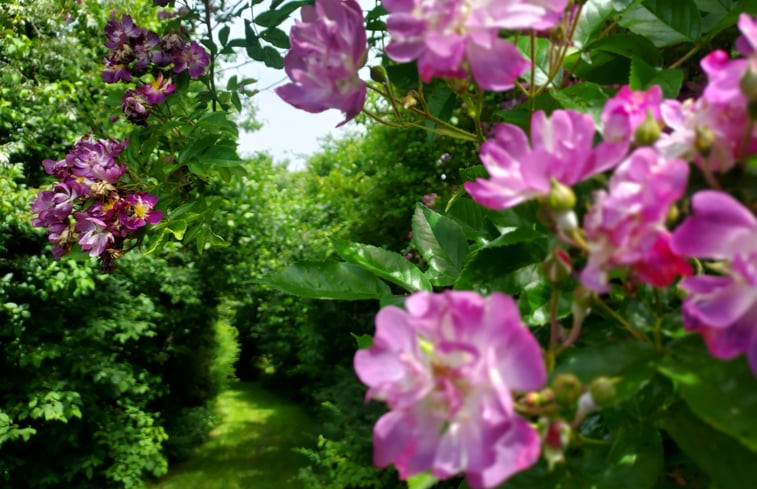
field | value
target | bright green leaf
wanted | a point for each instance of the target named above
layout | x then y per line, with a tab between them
328	280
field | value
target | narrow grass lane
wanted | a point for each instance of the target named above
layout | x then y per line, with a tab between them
250	449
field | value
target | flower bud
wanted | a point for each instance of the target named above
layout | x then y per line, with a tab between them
647	132
557	267
409	100
378	74
673	215
748	82
581	306
561	197
603	390
567	389
704	141
556	437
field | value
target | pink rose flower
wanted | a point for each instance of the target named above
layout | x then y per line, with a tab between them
561	149
446	367
328	49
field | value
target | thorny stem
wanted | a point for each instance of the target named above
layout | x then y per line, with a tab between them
575	333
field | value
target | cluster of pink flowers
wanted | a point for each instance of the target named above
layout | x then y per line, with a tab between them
460	38
135	51
328	49
446	366
625	226
86	206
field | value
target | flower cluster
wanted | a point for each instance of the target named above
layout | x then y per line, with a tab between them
328	49
446	366
135	51
626	226
459	38
86	206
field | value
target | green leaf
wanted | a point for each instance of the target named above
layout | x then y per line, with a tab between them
441	241
593	14
386	264
729	464
272	58
643	76
633	363
664	22
328	280
277	37
635	459
363	341
254	48
503	264
223	35
629	46
421	481
585	97
723	393
273	18
542	48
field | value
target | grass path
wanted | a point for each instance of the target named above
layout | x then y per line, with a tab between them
250	449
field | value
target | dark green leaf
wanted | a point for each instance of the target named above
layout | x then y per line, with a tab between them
272	58
441	242
664	22
643	76
277	37
384	263
585	97
635	459
729	464
328	280
723	393
273	18
223	35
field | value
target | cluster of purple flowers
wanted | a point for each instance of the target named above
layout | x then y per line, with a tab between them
86	206
135	51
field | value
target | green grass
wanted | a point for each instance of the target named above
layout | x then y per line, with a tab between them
250	449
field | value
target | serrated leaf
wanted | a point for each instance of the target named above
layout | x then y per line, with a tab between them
441	242
585	97
593	14
643	76
273	18
328	280
664	22
223	35
272	58
386	264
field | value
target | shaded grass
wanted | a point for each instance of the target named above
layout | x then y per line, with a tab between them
252	448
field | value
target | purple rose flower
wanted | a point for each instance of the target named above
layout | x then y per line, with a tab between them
446	36
135	106
119	32
137	211
328	49
446	367
54	205
193	58
156	91
96	160
62	237
94	235
561	149
623	113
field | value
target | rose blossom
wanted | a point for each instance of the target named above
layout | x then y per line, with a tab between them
626	226
446	366
445	36
560	149
328	48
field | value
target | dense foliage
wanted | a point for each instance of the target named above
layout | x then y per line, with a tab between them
577	311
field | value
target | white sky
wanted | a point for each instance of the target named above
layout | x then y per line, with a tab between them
287	133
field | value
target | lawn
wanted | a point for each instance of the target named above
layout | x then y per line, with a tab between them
250	449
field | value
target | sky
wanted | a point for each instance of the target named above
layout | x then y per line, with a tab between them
287	133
